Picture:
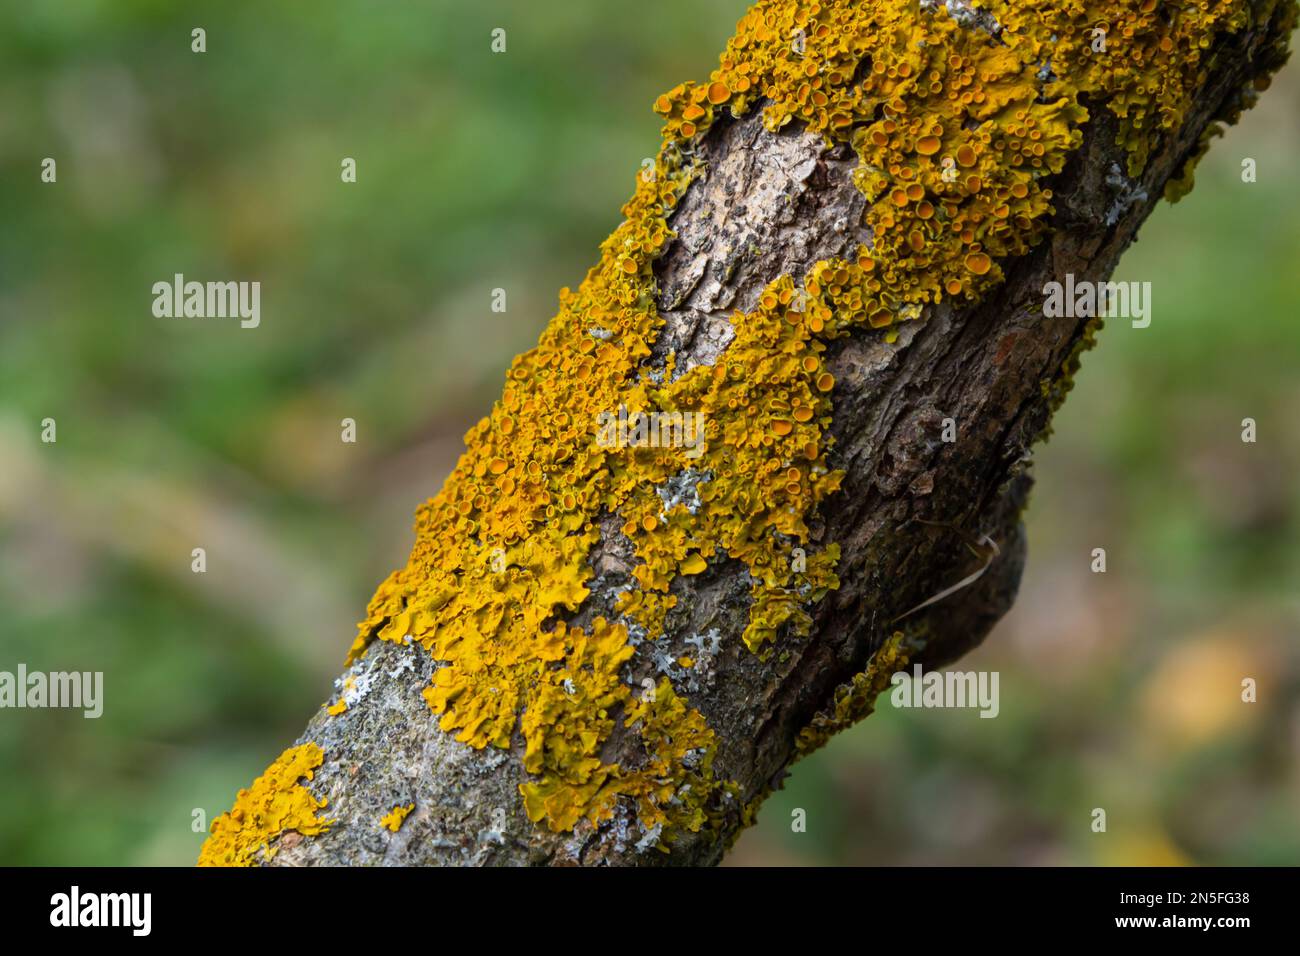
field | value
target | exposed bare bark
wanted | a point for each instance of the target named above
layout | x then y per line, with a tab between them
771	205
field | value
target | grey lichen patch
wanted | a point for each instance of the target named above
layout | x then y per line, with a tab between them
682	489
1127	194
966	13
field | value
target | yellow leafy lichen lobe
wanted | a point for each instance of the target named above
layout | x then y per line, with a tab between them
276	803
671	791
392	820
337	708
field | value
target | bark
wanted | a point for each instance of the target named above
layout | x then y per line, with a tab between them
772	204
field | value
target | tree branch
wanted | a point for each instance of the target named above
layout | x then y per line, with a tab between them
755	205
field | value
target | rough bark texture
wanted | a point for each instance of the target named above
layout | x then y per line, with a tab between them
767	205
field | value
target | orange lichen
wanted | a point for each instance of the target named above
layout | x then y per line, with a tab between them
392	820
957	135
276	803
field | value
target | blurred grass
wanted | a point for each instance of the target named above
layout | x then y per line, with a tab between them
478	171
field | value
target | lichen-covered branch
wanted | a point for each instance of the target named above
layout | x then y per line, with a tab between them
700	528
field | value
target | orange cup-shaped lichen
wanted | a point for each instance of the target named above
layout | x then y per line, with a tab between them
927	145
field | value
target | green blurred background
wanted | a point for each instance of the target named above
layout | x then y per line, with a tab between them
478	171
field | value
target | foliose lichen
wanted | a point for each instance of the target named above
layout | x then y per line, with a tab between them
275	804
392	820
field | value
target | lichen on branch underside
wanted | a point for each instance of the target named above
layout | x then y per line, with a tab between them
959	122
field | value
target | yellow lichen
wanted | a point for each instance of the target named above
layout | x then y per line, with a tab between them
276	803
957	135
337	708
392	820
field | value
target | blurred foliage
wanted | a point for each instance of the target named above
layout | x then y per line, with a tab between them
478	171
